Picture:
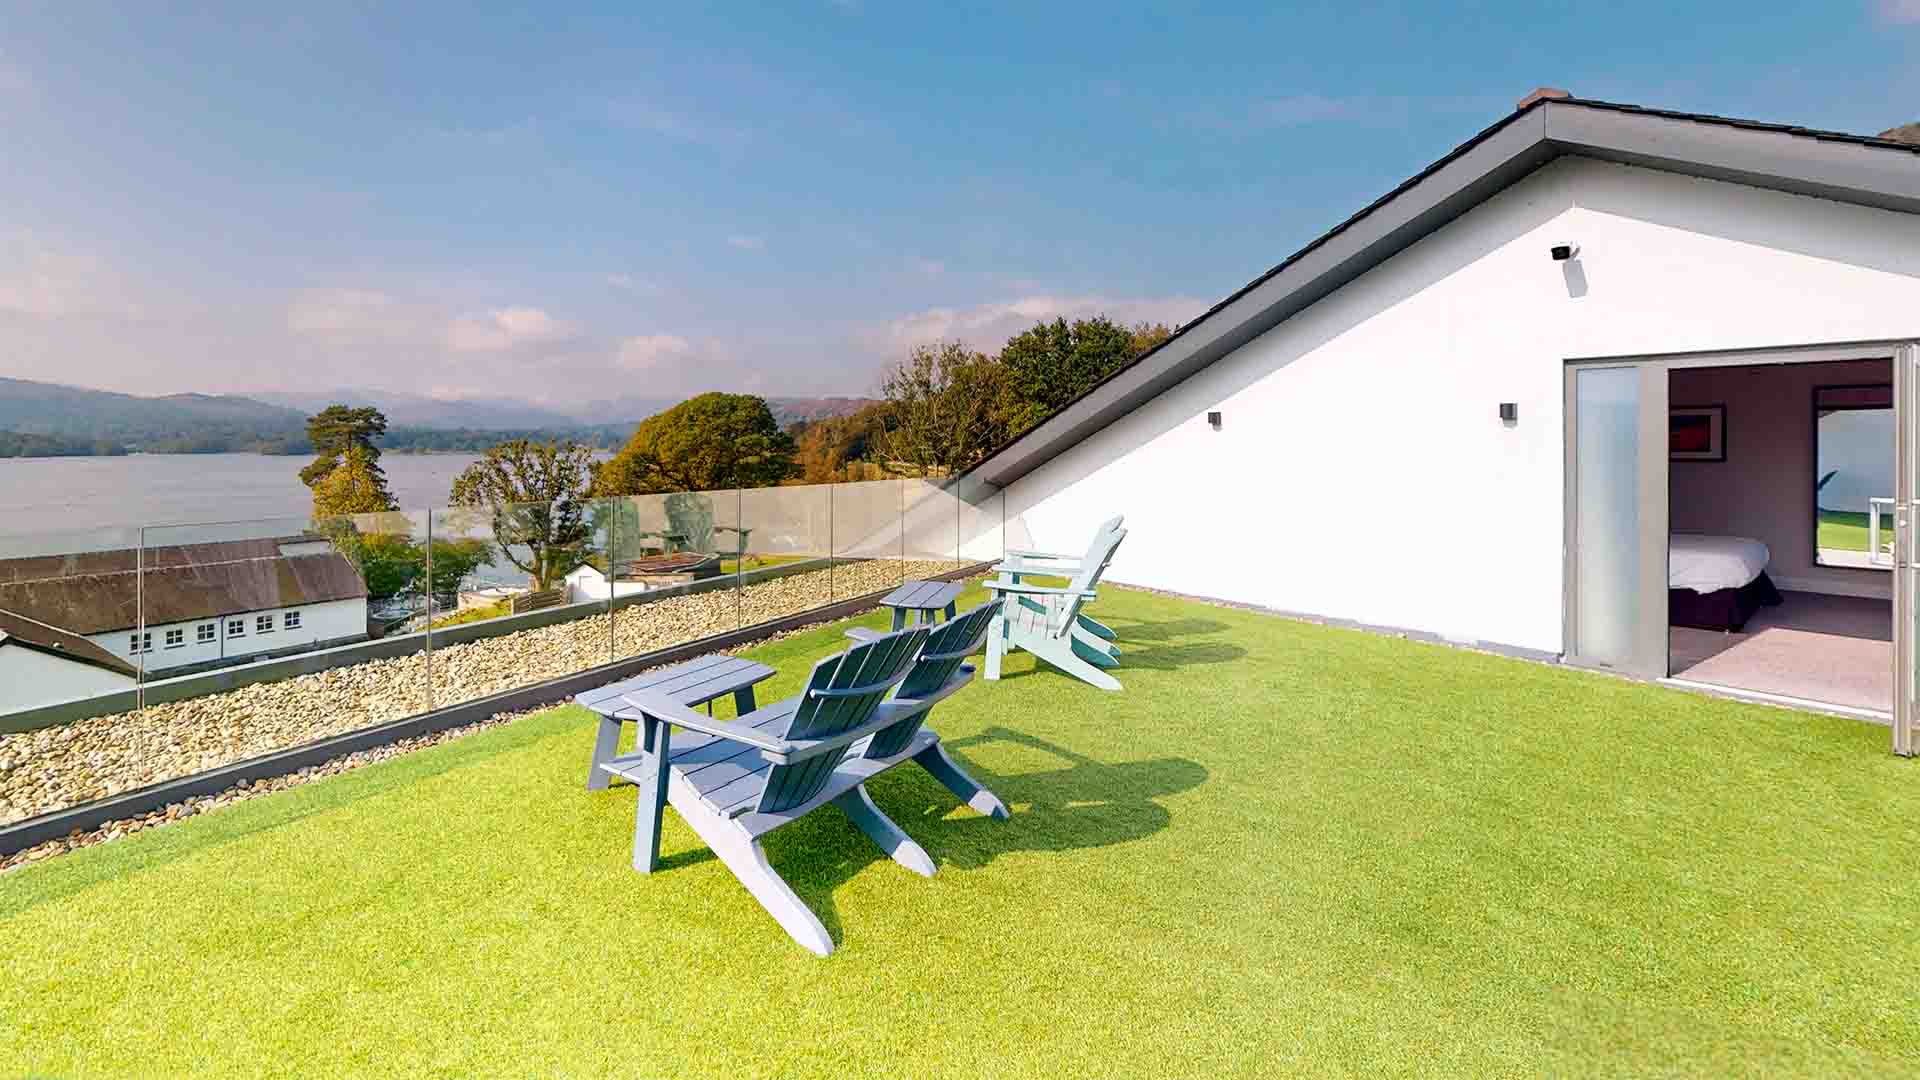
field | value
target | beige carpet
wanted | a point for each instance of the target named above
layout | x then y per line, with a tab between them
1836	649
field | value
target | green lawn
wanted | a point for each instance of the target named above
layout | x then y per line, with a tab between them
1844	531
1283	849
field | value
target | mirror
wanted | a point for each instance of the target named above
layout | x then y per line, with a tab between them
1853	439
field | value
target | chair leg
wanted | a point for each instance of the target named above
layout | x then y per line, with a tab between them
996	646
1097	628
748	861
1094	647
943	768
1060	654
605	744
858	805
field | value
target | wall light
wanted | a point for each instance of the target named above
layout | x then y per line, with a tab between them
1213	420
1509	412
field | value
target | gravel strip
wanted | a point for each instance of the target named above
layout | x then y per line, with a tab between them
54	768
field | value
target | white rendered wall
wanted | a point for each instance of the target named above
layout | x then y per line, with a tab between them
29	678
1362	472
333	621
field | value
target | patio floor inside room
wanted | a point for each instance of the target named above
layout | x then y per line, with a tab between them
1282	849
1812	646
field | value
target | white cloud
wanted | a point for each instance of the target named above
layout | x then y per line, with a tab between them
504	329
350	316
630	283
988	326
648	352
928	267
49	280
747	243
650	116
1900	11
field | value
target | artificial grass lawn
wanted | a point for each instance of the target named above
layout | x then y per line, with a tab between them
1283	848
1841	530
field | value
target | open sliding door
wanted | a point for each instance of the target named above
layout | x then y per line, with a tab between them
1906	552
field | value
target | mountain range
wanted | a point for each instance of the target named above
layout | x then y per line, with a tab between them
276	422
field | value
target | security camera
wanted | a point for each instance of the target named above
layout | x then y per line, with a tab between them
1563	252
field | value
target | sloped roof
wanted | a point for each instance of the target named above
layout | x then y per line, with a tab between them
1824	164
28	633
98	591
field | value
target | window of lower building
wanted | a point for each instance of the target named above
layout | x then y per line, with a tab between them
263	624
176	638
291	621
205	632
236	628
139	643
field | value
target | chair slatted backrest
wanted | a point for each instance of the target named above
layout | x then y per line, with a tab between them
1091	568
841	694
949	644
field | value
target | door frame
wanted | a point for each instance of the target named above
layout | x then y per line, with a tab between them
1651	650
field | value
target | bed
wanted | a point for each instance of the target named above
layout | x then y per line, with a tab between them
1717	582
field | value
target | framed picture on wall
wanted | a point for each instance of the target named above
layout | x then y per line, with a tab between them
1697	433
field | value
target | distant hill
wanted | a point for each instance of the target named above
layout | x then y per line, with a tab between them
792	410
418	410
1905	133
53	418
173	423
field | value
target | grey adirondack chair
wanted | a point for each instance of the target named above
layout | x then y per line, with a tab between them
941	660
1048	622
735	781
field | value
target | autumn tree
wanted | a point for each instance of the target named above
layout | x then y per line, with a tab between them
702	444
833	449
353	485
337	429
536	495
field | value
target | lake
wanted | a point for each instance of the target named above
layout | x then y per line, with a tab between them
98	494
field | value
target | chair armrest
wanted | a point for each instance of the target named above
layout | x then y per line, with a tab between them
777	750
661	707
1035	590
1023	553
1014	566
862	633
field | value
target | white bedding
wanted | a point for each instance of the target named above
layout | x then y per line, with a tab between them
1706	563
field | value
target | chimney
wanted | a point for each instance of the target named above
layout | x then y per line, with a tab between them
1541	93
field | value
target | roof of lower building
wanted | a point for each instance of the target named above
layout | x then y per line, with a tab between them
1833	165
97	592
16	629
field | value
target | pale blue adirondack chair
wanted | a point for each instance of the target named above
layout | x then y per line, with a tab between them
1048	622
737	780
1021	561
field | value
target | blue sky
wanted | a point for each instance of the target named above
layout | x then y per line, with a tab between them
601	202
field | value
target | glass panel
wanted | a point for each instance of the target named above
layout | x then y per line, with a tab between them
68	609
786	569
1853	476
1606	516
866	538
519	596
930	526
677	567
983	528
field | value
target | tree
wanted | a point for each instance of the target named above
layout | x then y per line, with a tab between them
537	496
1053	363
702	444
354	486
334	431
831	450
1148	337
942	403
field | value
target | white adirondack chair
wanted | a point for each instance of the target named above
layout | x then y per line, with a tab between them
1048	621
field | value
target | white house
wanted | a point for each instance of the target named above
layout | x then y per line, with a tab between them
169	610
1450	414
41	664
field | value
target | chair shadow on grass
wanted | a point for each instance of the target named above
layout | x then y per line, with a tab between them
1084	804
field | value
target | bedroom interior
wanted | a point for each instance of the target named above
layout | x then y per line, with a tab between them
1780	480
